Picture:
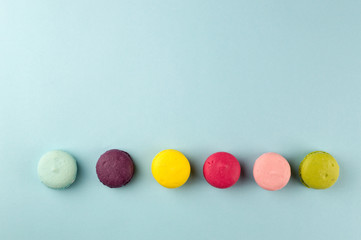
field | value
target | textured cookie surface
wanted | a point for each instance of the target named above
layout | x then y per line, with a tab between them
221	170
57	169
115	168
170	168
271	171
319	170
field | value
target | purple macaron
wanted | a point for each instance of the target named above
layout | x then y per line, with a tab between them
115	168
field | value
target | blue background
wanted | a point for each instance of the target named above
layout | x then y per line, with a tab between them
246	77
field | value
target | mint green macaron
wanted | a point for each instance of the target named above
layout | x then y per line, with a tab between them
57	169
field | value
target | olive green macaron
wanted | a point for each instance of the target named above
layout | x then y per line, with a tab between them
319	170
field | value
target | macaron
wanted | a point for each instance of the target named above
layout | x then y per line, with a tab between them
319	170
271	171
115	168
221	170
171	168
57	169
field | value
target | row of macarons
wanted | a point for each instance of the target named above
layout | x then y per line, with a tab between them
171	169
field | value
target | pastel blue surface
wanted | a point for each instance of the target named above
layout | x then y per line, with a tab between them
246	77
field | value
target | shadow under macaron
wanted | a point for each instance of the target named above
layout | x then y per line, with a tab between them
295	161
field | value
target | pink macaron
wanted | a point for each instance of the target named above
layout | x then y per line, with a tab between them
221	170
271	171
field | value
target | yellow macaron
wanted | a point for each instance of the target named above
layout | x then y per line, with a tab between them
171	168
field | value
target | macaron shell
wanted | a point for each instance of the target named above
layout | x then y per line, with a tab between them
57	169
171	168
271	171
115	168
221	170
319	170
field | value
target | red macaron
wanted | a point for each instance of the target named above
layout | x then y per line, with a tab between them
221	170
